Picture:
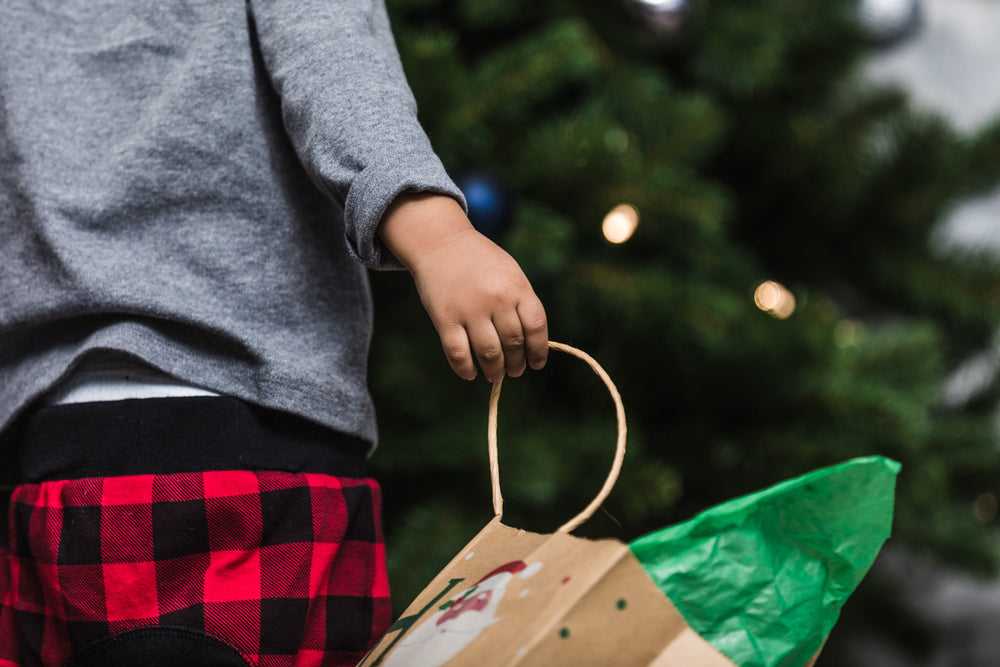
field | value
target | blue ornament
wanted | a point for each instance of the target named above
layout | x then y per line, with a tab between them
489	200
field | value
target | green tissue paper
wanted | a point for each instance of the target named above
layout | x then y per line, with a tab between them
763	577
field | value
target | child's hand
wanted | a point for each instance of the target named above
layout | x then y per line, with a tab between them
478	298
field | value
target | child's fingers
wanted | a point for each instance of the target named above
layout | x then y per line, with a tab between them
455	343
511	334
535	327
487	348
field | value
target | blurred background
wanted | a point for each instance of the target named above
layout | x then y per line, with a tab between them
776	224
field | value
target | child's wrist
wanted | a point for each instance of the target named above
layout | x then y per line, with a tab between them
418	222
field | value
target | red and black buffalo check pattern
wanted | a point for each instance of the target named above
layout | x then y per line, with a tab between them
287	568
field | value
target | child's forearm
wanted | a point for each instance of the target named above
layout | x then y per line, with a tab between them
479	300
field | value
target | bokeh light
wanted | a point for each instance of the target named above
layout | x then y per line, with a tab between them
620	223
884	15
616	140
666	5
774	299
985	508
846	332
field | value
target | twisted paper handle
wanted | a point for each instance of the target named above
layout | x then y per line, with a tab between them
616	465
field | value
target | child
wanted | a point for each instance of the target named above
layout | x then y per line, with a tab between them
189	196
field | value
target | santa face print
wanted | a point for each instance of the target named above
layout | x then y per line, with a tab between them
458	621
473	601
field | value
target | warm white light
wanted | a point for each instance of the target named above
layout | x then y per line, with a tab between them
774	299
620	223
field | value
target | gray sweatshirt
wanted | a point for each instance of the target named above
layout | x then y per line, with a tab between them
197	184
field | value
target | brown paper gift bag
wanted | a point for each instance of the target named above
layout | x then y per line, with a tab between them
512	597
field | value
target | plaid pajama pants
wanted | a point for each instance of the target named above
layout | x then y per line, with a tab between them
220	567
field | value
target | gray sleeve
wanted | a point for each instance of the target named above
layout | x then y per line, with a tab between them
348	109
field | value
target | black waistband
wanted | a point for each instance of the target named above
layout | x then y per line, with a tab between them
172	435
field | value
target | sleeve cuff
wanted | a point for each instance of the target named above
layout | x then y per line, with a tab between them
373	190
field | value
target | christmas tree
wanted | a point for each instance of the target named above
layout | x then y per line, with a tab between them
764	289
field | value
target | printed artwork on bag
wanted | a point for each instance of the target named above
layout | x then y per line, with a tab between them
459	620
